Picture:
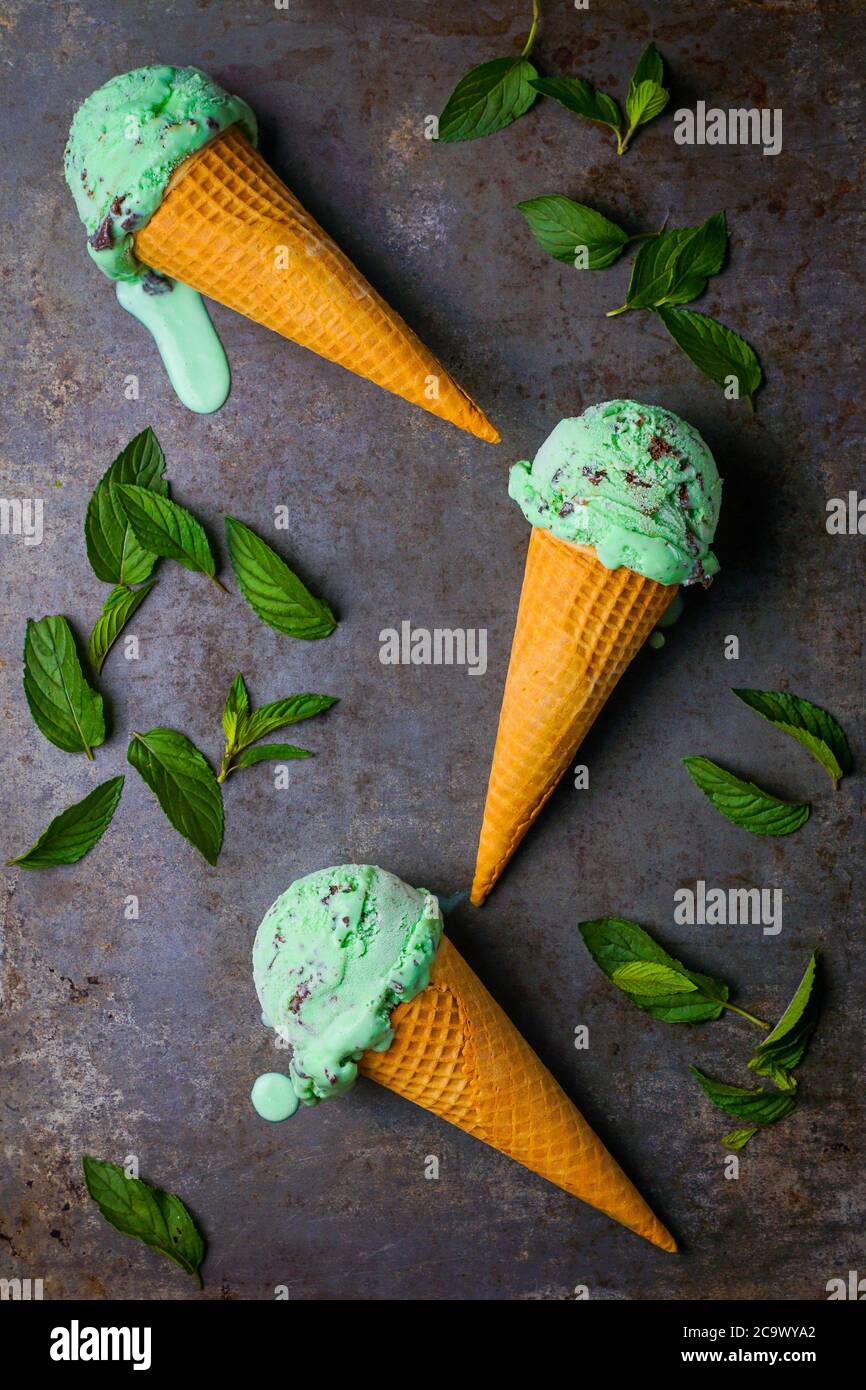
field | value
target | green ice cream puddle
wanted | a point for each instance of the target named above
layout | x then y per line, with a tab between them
274	1097
192	354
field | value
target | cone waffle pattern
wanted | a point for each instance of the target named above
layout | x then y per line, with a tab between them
457	1054
578	627
232	230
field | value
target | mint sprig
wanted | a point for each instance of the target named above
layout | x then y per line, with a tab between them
74	832
653	979
156	1218
745	804
647	98
674	267
491	96
810	725
244	726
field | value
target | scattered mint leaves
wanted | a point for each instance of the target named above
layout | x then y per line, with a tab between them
570	231
810	725
664	988
244	726
669	992
167	529
157	1218
273	591
117	610
74	831
755	1108
781	1052
64	707
717	351
114	553
745	804
184	786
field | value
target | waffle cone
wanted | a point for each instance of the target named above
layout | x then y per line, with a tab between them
232	230
578	627
456	1054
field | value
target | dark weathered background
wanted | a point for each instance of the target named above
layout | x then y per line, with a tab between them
123	1037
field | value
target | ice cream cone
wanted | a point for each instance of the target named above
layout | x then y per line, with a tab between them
456	1054
230	228
578	627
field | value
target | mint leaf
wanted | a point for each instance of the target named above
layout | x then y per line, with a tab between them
754	1107
645	978
616	944
488	99
647	96
63	705
581	98
165	528
745	804
117	610
779	1053
701	254
114	554
674	267
715	350
272	590
562	227
649	68
645	101
243	726
269	752
157	1218
235	711
74	831
810	725
278	713
184	785
738	1138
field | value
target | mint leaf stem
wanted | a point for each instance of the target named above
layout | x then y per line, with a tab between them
758	1022
533	32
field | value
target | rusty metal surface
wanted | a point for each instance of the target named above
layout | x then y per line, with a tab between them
143	1037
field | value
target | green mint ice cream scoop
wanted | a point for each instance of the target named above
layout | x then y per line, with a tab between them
634	482
125	143
334	955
